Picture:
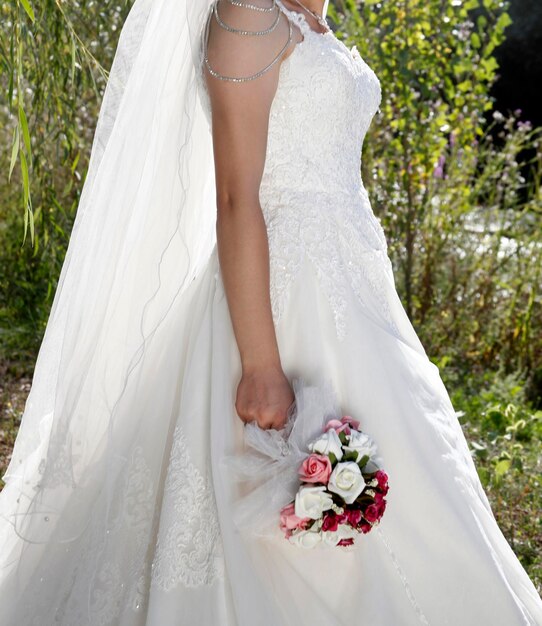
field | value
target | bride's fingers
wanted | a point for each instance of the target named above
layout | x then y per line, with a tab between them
265	417
244	414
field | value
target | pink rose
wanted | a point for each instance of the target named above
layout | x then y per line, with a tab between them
354	517
372	513
289	520
378	497
346	542
346	419
316	468
338	426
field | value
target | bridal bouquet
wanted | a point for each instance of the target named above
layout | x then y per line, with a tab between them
319	480
338	497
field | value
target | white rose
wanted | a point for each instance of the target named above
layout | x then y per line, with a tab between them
362	444
346	480
312	502
306	538
330	537
345	531
327	443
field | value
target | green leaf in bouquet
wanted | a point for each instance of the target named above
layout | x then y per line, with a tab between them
332	458
350	455
342	437
364	499
363	461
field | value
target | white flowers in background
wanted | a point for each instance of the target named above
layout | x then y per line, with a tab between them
362	444
346	480
328	443
311	502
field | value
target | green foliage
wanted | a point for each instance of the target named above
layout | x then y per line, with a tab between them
504	433
459	199
51	74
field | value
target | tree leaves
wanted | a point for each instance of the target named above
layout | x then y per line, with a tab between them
14	151
459	208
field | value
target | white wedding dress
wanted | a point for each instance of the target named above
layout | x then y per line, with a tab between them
438	556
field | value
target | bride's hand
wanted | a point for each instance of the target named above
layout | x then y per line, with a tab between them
264	395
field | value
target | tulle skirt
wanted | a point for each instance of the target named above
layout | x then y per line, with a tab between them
437	557
176	557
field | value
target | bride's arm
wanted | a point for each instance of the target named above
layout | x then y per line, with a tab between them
240	115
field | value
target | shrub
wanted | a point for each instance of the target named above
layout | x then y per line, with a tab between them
459	198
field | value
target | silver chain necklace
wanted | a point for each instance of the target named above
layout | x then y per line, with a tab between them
239	31
316	16
254	7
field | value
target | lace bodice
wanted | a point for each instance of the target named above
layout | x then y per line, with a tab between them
312	195
326	98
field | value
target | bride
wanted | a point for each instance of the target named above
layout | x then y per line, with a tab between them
225	245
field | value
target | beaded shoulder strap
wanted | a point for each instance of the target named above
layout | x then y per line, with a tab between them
296	17
276	7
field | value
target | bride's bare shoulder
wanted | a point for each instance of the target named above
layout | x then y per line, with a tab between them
246	39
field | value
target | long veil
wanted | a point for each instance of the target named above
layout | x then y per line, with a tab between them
144	229
84	480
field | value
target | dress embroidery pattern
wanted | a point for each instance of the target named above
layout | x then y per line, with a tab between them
189	552
102	580
313	199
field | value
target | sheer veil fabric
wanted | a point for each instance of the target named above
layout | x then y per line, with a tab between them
145	228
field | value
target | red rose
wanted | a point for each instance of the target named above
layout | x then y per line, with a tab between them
330	522
346	542
382	479
364	526
372	513
381	507
354	517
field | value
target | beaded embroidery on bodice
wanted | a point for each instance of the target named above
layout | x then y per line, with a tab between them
326	98
311	193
